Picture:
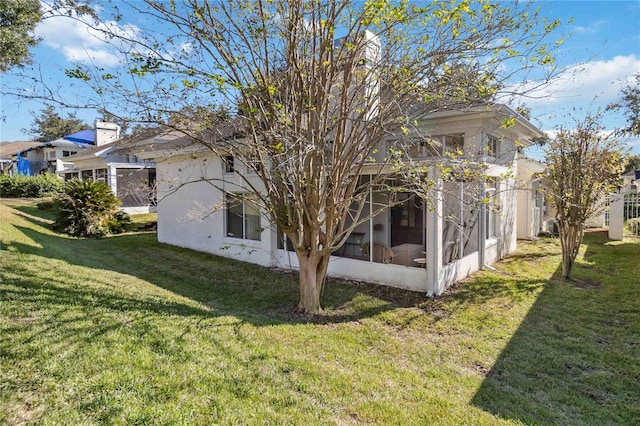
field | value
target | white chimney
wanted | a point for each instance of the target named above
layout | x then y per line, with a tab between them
106	132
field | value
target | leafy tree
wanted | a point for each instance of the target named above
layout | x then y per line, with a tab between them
18	19
630	105
320	85
583	165
49	125
632	163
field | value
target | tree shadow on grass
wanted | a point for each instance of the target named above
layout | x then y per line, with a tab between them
223	286
573	359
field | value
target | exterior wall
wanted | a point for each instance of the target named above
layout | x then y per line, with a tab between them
399	276
190	213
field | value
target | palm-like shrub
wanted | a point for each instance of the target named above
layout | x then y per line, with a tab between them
88	208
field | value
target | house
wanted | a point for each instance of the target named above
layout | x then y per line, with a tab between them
9	152
43	157
534	213
115	162
630	182
408	245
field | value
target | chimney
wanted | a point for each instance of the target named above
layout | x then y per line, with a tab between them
106	132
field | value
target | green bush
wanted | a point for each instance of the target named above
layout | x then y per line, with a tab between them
37	186
88	208
634	226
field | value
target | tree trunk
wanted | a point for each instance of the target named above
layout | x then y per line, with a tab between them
570	240
312	273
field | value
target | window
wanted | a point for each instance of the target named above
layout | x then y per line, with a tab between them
86	174
243	216
493	146
492	210
228	164
453	143
101	175
68	153
442	144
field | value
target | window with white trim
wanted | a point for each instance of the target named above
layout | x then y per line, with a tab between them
493	146
491	218
242	216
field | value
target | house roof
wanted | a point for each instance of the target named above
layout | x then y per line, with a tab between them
200	140
235	129
147	137
531	164
522	125
81	137
8	149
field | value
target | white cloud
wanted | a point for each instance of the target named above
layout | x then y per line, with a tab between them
592	28
596	81
80	42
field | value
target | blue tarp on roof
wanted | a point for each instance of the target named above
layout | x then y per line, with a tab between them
81	137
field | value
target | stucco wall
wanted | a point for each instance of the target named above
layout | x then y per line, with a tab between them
191	213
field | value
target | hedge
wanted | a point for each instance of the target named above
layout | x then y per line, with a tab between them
21	186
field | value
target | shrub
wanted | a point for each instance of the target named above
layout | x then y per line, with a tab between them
634	226
88	208
37	186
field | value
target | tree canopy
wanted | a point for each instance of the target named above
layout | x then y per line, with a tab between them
18	19
629	104
48	125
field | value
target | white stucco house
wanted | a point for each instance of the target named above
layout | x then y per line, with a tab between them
534	212
131	179
407	246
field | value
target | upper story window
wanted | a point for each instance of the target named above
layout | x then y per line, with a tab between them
68	153
493	146
228	164
442	144
435	146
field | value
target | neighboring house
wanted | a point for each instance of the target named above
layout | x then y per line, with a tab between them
9	152
131	179
631	182
43	157
407	246
534	213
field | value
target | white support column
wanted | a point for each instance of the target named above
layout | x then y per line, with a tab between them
616	217
434	241
112	179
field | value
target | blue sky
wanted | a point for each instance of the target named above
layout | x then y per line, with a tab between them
602	52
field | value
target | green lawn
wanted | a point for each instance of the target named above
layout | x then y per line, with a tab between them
126	330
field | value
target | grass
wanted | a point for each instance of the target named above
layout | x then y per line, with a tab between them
126	330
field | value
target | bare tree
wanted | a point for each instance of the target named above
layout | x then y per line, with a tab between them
583	165
319	87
